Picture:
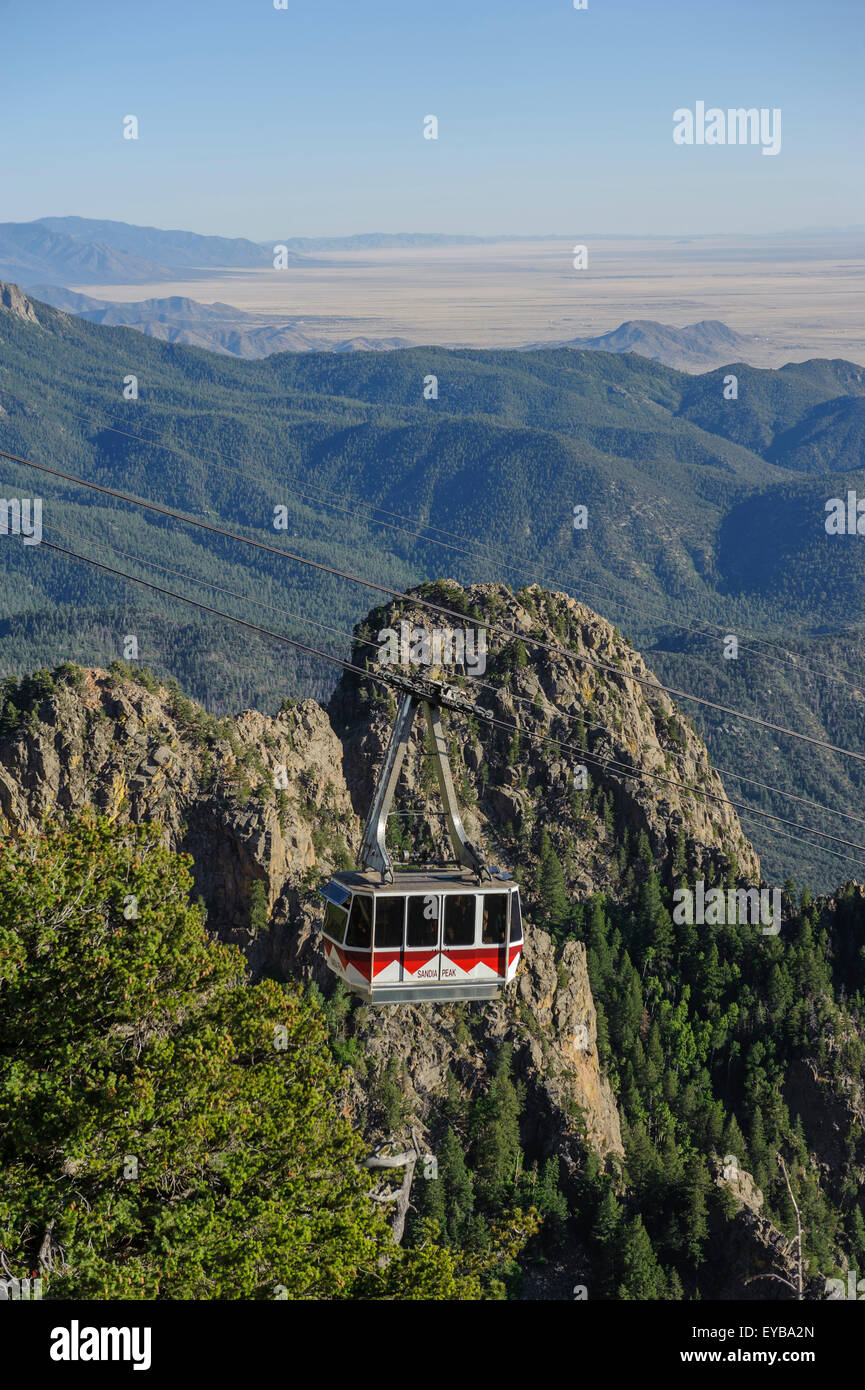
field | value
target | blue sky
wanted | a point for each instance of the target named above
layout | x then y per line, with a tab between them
308	121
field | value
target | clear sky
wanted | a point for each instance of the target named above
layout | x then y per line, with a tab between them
309	121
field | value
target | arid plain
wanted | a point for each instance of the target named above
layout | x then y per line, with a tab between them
796	296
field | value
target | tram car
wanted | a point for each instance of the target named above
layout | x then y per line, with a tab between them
422	937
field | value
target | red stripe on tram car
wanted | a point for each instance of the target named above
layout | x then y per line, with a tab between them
359	960
468	957
414	960
383	958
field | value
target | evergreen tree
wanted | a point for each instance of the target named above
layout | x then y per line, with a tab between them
605	1235
455	1182
857	1239
551	1203
496	1127
552	889
642	1277
694	1190
733	1142
174	1133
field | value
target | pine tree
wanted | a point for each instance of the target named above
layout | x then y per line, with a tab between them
496	1129
258	907
175	1131
456	1184
605	1234
733	1142
642	1160
694	1190
680	856
551	1202
598	942
857	1239
758	1148
642	1277
654	1059
552	889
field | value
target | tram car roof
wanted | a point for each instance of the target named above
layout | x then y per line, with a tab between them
413	881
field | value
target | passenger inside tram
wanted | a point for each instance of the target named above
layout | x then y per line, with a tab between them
495	919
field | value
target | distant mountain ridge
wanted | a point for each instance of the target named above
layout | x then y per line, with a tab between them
705	342
100	251
223	328
170	247
217	327
30	249
82	250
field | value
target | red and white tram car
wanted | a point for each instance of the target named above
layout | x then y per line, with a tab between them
415	937
425	938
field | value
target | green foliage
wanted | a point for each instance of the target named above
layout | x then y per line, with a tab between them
642	1277
389	1092
258	907
495	1132
699	1029
551	888
167	1129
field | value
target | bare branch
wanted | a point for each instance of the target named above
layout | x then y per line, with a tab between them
801	1293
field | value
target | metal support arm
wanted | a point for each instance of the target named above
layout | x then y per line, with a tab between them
464	850
373	851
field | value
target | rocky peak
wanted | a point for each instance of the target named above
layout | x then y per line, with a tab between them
600	726
253	798
14	300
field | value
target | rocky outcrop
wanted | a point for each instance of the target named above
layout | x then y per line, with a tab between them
638	754
749	1257
557	1016
251	799
16	301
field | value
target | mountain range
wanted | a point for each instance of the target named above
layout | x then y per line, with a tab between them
223	328
98	251
708	343
83	250
217	327
705	516
49	254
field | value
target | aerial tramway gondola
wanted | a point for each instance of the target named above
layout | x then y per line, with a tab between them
422	937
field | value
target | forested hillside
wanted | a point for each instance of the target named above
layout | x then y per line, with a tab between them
704	516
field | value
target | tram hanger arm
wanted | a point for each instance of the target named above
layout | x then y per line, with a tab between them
373	852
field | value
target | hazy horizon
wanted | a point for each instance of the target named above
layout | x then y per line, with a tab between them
453	232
